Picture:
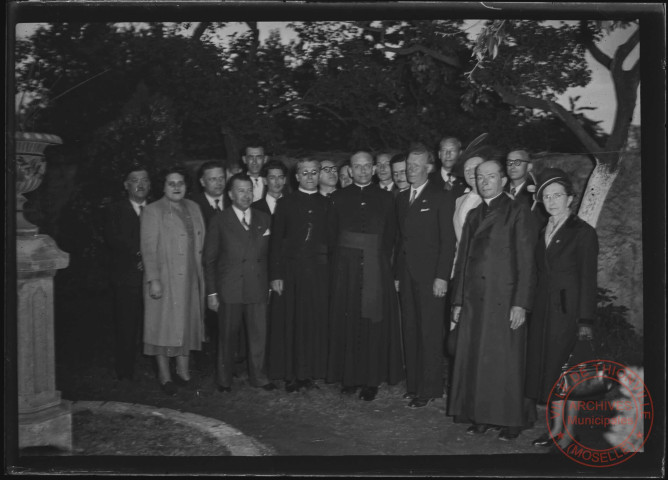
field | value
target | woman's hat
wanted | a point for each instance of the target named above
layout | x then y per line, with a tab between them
552	175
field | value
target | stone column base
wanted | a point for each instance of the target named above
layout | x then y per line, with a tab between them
50	427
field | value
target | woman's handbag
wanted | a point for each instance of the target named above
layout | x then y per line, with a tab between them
585	381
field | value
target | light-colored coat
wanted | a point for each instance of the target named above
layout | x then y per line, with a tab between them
164	252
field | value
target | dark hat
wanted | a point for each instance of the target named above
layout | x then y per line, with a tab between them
552	175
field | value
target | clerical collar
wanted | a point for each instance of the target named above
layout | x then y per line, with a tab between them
212	200
490	200
307	192
362	186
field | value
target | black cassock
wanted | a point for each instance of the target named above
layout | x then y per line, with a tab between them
297	333
364	333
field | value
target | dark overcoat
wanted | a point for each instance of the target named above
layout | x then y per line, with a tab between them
494	271
565	296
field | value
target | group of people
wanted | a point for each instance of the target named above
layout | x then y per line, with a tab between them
358	280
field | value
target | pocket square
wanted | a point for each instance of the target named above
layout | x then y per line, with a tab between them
268	232
424	209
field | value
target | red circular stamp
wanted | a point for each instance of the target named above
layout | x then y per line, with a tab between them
576	404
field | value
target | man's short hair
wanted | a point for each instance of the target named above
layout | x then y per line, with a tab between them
255	147
134	167
454	140
273	165
238	177
502	168
210	165
303	160
398	158
520	148
389	153
420	149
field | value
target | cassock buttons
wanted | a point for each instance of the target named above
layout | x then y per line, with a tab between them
362	204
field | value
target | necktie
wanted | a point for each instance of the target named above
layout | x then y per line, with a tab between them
244	222
141	209
217	207
448	184
413	195
513	191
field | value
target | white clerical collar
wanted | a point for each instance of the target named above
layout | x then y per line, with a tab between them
307	192
362	186
489	200
419	189
212	200
240	213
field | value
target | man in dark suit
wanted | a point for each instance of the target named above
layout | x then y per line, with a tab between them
253	160
237	285
494	281
122	236
425	251
384	171
398	167
276	174
521	186
212	198
328	178
449	151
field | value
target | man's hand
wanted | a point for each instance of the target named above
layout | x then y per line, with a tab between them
440	287
277	286
212	302
456	311
155	289
396	285
585	332
517	317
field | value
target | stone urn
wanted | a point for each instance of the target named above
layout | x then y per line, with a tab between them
44	418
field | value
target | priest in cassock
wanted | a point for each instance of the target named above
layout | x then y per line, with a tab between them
365	335
298	274
494	282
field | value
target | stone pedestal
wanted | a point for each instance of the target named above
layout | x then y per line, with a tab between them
44	418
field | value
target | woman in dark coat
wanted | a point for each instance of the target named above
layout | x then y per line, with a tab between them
565	301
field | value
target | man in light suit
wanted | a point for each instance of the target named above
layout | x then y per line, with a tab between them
425	251
127	274
235	266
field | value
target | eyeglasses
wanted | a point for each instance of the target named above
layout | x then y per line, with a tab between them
515	163
329	169
553	196
312	173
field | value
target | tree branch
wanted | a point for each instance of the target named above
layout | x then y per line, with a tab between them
548	106
628	46
588	42
199	30
447	59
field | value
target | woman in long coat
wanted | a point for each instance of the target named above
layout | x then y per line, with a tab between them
172	237
565	302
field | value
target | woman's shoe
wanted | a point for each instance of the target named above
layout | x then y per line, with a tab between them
169	388
544	440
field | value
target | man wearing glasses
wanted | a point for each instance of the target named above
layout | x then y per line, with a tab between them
254	160
276	173
298	274
329	177
521	185
365	335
